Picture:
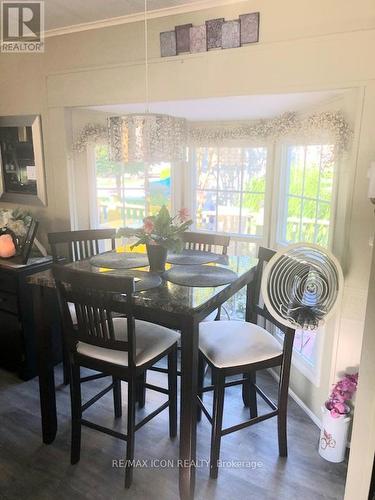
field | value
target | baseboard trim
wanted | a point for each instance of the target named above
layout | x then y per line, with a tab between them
299	401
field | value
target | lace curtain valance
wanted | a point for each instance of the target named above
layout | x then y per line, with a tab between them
288	124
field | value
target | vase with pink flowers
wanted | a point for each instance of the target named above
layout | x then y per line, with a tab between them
160	232
336	419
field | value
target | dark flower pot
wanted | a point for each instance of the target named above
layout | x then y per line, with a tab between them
157	256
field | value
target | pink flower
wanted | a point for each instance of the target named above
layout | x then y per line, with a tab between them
183	214
341	408
148	225
334	413
342	392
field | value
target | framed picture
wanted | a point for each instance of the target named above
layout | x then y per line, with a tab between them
22	178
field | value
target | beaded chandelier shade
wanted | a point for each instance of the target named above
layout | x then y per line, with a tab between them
147	138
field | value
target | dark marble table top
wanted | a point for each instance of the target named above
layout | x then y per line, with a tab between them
169	296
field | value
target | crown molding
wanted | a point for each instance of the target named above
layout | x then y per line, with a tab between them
139	16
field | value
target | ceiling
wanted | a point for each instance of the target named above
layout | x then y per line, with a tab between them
230	108
66	13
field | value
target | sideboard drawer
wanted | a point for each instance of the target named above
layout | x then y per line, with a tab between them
8	302
8	282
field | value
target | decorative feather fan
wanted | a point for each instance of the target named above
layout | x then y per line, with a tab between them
301	285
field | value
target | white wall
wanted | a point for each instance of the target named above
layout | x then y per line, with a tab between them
304	46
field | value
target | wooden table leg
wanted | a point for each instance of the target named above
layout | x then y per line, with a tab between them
188	412
45	364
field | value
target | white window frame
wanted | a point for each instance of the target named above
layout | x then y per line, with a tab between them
191	182
183	185
311	371
279	218
91	171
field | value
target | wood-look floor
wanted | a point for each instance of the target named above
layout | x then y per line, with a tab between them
31	470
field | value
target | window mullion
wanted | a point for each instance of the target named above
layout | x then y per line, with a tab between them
217	188
317	197
241	189
303	191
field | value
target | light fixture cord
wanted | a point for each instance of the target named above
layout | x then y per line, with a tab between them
146	61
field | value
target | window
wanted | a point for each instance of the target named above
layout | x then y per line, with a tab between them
308	174
229	193
126	193
307	204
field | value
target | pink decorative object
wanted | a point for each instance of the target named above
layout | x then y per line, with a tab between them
148	225
183	214
7	246
342	392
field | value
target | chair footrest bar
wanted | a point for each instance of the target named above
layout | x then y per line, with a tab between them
156	388
207	388
252	421
163	370
158	369
94	377
236	382
204	409
100	428
93	400
227	384
265	398
151	415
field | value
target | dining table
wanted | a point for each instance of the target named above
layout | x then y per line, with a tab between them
180	306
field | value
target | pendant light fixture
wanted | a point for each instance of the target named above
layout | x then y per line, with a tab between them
147	137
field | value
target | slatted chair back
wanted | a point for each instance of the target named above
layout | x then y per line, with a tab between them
256	304
205	242
96	297
79	245
27	244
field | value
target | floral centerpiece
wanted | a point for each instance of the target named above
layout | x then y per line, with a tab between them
341	393
13	228
160	233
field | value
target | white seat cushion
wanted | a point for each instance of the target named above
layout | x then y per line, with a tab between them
236	343
151	340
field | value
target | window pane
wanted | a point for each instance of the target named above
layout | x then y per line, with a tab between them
206	161
312	170
134	176
159	186
134	207
206	210
296	160
255	161
109	207
252	218
230	161
231	183
308	221
228	212
326	173
293	219
322	237
126	193
308	345
309	176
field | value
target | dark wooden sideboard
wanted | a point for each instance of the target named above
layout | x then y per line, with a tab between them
18	351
